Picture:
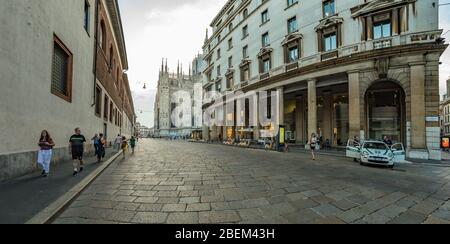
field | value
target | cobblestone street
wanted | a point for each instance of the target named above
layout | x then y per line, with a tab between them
180	182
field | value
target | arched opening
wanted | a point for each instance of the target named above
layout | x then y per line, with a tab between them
111	58
385	111
102	37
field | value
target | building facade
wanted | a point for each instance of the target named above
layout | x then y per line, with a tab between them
444	112
178	102
50	77
340	68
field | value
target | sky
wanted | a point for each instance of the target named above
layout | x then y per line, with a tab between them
156	29
175	29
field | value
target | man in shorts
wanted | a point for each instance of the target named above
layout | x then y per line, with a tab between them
77	148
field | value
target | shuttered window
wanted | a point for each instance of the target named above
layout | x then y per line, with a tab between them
61	71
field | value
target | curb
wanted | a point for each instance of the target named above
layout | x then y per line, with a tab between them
54	209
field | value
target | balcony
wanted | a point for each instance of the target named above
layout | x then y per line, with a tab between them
291	66
382	43
264	76
329	55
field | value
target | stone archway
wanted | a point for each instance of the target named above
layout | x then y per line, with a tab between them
385	111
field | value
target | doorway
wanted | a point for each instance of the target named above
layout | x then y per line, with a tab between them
385	112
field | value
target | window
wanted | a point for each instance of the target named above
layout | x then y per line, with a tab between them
86	15
230	27
102	37
245	73
328	8
382	29
218	70
118	77
219	38
293	54
265	16
265	40
244	31
61	71
209	75
230	43
266	65
230	62
330	42
218	86
230	82
292	25
218	54
98	101
111	112
245	13
105	109
245	52
111	59
291	2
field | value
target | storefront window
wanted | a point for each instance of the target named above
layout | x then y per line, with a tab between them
384	111
320	116
341	125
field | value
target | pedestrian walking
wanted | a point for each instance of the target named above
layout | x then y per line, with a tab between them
313	145
101	148
77	148
96	142
132	144
46	145
118	143
124	146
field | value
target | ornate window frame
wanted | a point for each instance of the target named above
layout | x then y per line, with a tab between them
264	54
292	40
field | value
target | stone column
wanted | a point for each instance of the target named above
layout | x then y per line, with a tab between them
299	119
205	133
280	105
354	98
418	105
312	108
369	28
395	24
327	116
255	116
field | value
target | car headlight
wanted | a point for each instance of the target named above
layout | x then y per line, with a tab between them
365	154
391	155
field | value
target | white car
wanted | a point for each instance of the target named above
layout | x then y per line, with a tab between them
376	152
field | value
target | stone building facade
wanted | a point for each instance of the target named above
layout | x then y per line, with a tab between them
173	92
50	73
340	68
444	112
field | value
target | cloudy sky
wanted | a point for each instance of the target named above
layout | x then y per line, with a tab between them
175	29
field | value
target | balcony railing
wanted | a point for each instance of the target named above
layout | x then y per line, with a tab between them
383	43
329	55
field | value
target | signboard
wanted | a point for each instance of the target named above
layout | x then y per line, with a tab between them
282	135
445	142
432	119
281	138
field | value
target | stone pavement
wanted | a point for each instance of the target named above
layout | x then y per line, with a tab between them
22	198
180	182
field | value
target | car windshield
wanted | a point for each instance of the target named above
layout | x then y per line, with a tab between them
375	145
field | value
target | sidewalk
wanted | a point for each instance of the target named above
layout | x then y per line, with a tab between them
22	198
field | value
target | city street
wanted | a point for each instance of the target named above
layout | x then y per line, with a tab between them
181	182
